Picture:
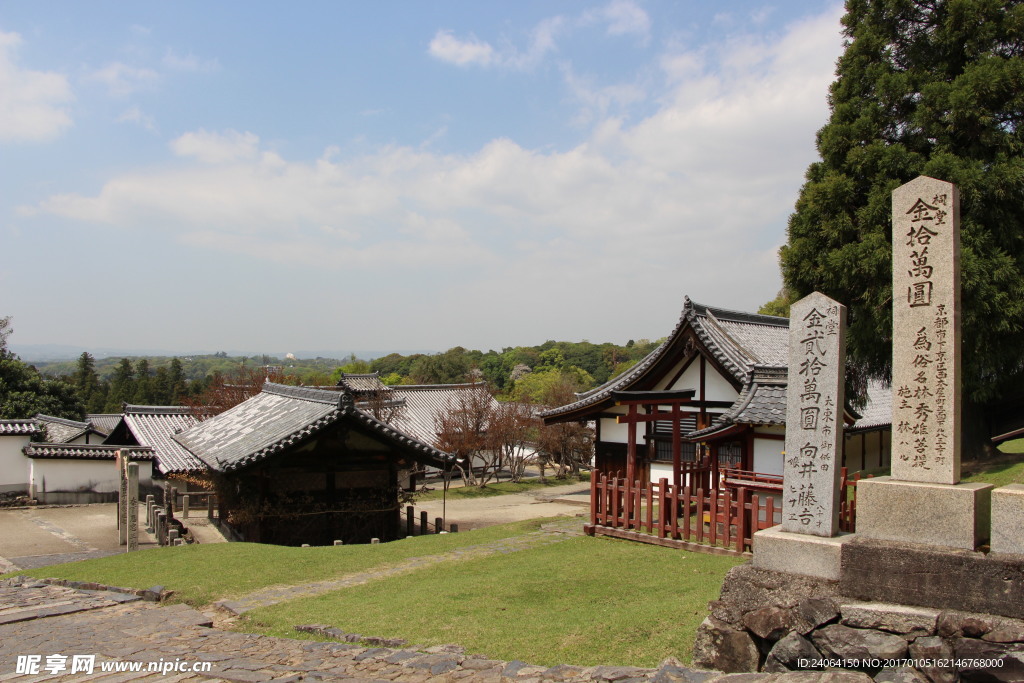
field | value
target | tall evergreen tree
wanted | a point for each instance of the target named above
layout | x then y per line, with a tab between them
925	87
122	386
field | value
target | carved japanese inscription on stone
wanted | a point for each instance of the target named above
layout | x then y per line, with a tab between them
814	413
926	332
133	505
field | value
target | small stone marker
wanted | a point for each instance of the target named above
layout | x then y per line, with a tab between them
814	412
184	506
926	332
133	506
374	541
339	543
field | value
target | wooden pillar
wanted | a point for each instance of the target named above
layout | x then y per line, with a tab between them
677	446
630	464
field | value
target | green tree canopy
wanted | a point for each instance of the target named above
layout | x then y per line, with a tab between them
24	392
924	87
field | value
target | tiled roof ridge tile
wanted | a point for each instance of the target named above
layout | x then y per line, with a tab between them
427	387
135	409
62	420
302	393
16	426
63	450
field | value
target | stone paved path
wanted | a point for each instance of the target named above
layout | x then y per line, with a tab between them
118	630
555	532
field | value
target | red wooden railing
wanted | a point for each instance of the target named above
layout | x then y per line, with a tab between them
717	520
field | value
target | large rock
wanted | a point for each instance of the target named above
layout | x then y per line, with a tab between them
811	613
913	621
721	647
747	588
843	642
904	675
770	623
794	651
934	650
989	661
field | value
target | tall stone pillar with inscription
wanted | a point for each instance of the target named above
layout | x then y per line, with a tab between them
814	413
809	542
923	501
122	498
132	525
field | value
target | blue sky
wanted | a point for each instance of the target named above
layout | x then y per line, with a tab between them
321	175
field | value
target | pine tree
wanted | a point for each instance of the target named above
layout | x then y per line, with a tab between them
925	87
122	386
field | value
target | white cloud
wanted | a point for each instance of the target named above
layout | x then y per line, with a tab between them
622	18
447	48
135	115
121	79
473	51
189	62
32	103
217	148
691	199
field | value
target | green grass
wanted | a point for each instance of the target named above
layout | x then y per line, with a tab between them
584	601
998	472
201	574
1015	446
499	489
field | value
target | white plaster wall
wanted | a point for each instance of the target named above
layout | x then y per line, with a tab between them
768	457
14	466
661	470
662	383
613	432
689	379
76	474
716	387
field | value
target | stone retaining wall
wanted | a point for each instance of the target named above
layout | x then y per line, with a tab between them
777	622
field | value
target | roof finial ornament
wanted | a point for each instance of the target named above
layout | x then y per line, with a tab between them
345	400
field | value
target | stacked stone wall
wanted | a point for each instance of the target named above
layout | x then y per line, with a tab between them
777	622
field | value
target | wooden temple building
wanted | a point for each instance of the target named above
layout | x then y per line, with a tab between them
706	410
296	465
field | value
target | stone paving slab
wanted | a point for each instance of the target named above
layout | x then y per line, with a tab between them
145	632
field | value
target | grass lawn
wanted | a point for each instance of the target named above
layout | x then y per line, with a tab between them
499	489
997	472
583	601
201	574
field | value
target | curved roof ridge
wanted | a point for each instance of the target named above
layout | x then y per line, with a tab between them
426	387
155	410
62	421
302	393
737	344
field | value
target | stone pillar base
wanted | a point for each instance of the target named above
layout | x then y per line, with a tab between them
1008	519
803	554
945	515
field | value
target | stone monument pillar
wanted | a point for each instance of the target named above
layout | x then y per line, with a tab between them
133	506
122	498
923	501
809	542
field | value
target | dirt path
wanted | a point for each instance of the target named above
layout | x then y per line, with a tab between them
571	500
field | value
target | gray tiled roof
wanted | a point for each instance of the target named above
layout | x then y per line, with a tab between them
103	423
423	402
739	341
84	451
61	430
18	427
278	417
877	412
155	427
365	383
761	402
